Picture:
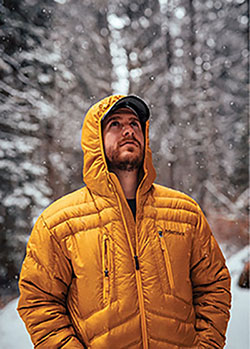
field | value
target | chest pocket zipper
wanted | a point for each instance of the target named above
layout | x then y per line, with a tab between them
167	260
106	267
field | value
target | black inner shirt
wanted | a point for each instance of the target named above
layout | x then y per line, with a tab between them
132	205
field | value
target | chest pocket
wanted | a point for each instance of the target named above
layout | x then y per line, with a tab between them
167	263
108	268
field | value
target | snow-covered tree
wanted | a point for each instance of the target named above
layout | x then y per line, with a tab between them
24	123
54	64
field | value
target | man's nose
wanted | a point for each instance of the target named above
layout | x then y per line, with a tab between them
127	130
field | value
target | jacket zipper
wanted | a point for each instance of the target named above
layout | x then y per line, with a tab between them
141	303
139	289
106	267
167	261
138	284
137	273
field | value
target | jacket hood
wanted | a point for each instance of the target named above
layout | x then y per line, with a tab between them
95	170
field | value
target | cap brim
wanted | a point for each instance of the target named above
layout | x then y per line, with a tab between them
132	102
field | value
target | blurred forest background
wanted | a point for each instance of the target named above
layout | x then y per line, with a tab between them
187	58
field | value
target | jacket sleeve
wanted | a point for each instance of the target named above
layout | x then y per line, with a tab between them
45	277
211	287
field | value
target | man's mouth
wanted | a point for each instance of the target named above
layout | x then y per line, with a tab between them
129	142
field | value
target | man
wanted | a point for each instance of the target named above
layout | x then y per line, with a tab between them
123	262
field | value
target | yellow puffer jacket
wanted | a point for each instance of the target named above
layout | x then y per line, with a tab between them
94	278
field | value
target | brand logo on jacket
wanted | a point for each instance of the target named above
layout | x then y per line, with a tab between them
174	232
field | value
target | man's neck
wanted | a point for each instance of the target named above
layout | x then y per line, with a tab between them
129	182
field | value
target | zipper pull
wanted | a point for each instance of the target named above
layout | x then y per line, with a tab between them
105	256
137	267
161	240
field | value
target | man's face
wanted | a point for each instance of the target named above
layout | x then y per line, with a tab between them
123	140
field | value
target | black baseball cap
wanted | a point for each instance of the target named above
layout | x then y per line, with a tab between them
135	103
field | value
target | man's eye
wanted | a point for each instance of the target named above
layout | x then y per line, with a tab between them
134	124
114	124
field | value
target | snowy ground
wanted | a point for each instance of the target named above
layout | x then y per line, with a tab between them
12	330
238	334
13	333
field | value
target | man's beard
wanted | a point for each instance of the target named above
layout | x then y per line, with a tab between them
129	163
125	165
